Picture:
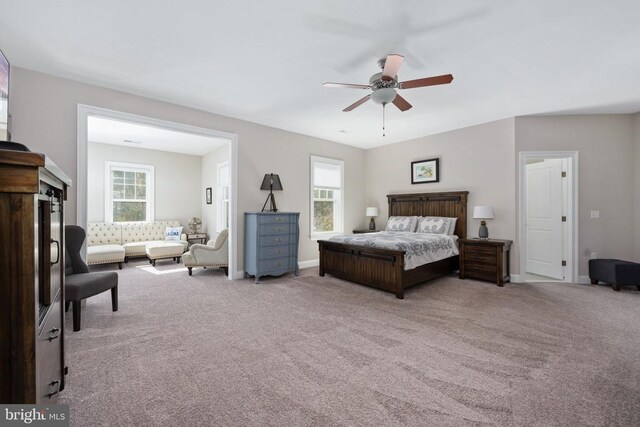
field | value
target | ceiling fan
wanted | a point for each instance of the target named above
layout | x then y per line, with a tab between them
384	85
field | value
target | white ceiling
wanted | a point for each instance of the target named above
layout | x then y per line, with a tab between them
266	61
109	131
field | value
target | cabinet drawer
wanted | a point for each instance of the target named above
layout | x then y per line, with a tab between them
480	250
472	266
275	265
480	257
276	239
275	251
275	229
481	275
48	355
275	219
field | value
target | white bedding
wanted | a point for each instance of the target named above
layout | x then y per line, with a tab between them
420	248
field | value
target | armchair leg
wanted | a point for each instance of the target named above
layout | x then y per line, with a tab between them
76	315
119	266
114	298
190	272
226	270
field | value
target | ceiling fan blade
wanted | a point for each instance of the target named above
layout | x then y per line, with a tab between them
357	103
391	66
347	85
401	103
427	81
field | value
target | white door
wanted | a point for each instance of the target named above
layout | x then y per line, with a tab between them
544	218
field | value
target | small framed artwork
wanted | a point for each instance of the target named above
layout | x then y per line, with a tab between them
424	171
208	195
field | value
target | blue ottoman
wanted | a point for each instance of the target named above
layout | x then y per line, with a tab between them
614	271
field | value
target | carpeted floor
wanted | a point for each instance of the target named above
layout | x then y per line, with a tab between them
307	350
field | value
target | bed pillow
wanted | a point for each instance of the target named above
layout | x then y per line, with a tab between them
402	223
172	233
436	225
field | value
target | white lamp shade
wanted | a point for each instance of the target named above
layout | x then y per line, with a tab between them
483	212
372	211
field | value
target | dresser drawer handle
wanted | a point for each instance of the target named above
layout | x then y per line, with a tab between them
55	333
55	384
278	240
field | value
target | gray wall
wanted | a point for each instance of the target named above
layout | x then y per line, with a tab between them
604	146
478	159
174	173
44	110
636	187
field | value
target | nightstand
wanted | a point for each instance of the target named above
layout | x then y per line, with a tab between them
485	259
202	237
364	230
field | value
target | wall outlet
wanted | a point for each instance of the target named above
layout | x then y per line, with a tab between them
594	255
595	214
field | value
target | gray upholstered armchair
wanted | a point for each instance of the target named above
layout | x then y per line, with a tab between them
79	282
214	254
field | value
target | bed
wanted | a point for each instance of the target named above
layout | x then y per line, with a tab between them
385	268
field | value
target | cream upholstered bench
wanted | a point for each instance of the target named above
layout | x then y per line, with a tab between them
162	250
104	244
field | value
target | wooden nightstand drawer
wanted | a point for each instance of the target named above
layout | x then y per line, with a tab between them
476	249
476	266
485	260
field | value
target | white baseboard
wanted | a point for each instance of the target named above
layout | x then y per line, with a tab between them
515	278
310	263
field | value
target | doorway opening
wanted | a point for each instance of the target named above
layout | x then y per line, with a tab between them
548	216
177	156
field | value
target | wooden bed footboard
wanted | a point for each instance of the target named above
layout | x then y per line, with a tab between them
378	268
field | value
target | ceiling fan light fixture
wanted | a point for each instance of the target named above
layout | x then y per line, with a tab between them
383	95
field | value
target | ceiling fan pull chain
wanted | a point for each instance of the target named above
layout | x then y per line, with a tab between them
383	132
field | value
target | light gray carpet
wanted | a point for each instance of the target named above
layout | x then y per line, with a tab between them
201	350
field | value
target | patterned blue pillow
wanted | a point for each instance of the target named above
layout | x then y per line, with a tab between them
172	233
402	223
436	225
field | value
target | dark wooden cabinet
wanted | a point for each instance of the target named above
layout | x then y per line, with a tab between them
32	194
485	259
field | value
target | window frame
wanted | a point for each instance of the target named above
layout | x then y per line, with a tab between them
149	170
339	215
223	214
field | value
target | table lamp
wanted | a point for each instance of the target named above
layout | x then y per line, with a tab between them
483	213
271	182
372	212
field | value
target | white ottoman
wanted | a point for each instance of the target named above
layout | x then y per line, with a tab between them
160	250
105	254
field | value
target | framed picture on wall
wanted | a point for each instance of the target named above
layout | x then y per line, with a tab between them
209	195
424	171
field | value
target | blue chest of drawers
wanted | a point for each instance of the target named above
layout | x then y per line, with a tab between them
271	243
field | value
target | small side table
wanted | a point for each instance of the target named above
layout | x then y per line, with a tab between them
364	230
201	237
485	259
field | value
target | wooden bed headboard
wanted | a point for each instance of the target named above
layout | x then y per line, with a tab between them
450	204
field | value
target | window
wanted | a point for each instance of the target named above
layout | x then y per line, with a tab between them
128	192
326	196
223	196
